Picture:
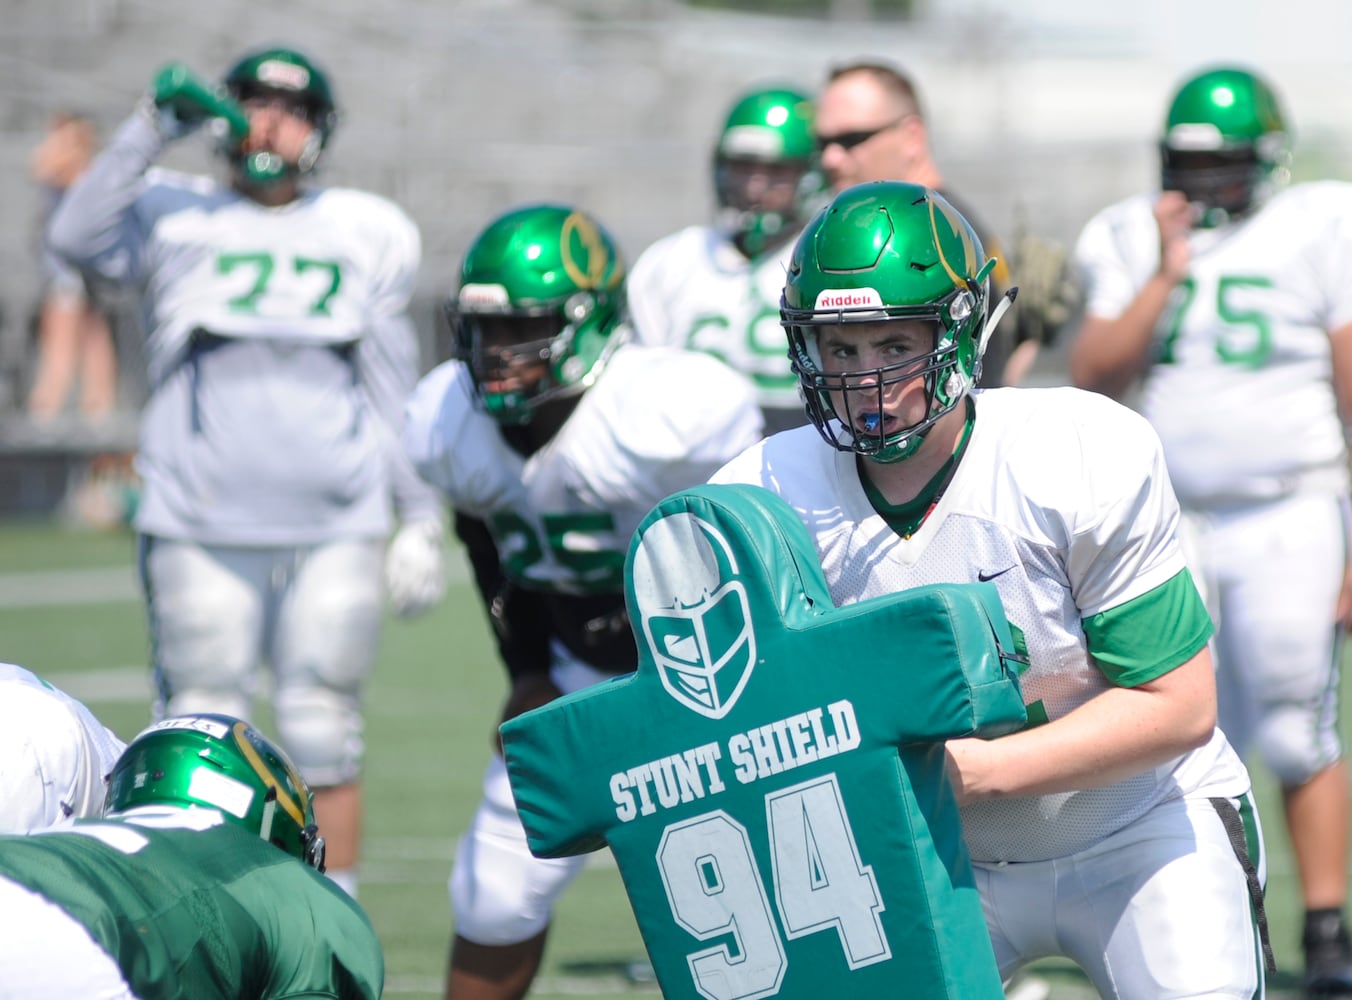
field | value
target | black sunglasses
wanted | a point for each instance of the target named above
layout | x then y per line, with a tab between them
848	140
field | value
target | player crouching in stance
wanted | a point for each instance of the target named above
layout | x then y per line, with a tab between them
552	435
202	879
1117	828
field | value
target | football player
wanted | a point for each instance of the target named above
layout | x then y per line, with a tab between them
54	755
716	288
201	879
552	437
1226	298
280	356
1117	828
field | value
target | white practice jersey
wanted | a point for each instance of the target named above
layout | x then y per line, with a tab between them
658	420
54	755
1240	388
278	344
1062	501
695	289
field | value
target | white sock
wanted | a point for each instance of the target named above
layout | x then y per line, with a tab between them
345	879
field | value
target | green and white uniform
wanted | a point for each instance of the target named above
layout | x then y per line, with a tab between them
694	289
188	906
771	780
1240	390
1061	500
657	420
280	354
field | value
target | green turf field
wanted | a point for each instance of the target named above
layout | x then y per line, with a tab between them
69	609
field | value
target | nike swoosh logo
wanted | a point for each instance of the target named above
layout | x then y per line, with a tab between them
987	577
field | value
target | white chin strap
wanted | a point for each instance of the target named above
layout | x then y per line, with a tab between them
997	313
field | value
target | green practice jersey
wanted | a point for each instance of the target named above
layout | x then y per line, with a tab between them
192	907
771	780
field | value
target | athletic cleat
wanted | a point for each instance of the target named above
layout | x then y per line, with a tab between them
1328	957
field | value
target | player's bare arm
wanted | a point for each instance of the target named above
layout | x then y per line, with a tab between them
1120	733
1109	354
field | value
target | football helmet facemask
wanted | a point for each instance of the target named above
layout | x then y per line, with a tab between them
538	310
765	170
291	78
1225	144
223	763
881	252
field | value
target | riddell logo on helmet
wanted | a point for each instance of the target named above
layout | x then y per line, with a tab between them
848	298
483	298
285	75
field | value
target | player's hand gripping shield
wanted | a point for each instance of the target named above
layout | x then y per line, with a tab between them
771	779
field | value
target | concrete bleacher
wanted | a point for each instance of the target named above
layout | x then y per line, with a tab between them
458	109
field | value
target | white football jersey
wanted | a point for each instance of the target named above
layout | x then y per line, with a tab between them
1062	502
54	755
695	289
1240	386
289	436
658	420
313	271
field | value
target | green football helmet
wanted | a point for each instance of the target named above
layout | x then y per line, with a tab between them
219	762
765	168
1225	144
539	308
289	76
878	252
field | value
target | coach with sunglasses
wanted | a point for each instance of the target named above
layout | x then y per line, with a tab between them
870	127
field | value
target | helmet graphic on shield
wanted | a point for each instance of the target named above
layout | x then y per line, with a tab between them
694	613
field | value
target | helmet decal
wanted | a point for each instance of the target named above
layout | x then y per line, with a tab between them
589	267
694	613
275	73
241	731
953	222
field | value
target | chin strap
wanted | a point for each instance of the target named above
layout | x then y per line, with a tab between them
997	314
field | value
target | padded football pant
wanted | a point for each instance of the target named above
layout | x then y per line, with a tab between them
1164	908
1270	574
314	613
501	893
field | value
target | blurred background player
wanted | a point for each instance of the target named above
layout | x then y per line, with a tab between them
202	880
1060	499
1230	300
54	755
552	437
280	358
74	339
716	288
870	126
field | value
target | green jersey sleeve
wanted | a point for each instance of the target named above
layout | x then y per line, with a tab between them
192	907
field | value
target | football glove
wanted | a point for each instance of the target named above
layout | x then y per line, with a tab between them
180	101
415	567
1049	296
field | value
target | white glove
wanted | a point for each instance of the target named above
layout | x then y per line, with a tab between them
415	567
